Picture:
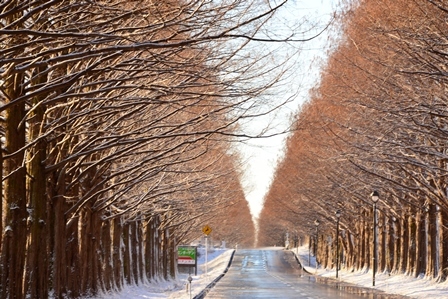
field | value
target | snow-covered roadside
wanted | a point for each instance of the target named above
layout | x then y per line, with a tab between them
392	284
218	259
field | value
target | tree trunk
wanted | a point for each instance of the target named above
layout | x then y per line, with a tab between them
368	232
173	260
431	240
351	251
37	262
106	270
58	242
398	245
126	255
150	245
64	242
116	245
438	237
418	242
412	255
157	258
425	243
364	256
15	213
444	246
325	258
72	266
134	251
383	243
14	233
404	250
165	236
390	245
84	251
140	256
95	253
1	203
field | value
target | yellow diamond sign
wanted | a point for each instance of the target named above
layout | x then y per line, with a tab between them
206	230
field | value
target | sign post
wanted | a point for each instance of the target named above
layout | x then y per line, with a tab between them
206	230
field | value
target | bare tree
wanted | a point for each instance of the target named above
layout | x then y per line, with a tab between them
377	121
118	118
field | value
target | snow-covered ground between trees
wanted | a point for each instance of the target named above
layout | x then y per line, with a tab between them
392	284
219	259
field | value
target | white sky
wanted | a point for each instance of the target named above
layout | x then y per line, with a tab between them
262	155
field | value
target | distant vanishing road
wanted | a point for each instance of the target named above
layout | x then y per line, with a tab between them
274	273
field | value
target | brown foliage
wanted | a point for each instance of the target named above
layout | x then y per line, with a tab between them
377	120
118	117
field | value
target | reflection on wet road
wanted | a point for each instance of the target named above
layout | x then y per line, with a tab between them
274	273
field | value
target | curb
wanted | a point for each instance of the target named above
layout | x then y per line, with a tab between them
301	265
207	289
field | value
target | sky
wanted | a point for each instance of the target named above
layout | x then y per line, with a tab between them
261	156
418	288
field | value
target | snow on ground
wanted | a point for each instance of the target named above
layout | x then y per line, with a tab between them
218	260
393	284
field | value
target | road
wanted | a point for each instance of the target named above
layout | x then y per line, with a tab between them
274	273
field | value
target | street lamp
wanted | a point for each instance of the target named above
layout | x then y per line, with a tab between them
338	215
316	223
375	197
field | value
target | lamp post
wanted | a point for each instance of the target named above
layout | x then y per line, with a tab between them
375	197
338	215
316	223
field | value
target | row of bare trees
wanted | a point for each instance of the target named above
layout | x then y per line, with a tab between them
117	117
377	121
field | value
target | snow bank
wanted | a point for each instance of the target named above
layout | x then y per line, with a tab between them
392	284
218	260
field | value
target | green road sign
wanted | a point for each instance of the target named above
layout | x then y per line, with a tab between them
186	255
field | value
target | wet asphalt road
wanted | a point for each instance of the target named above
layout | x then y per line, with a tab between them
274	273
